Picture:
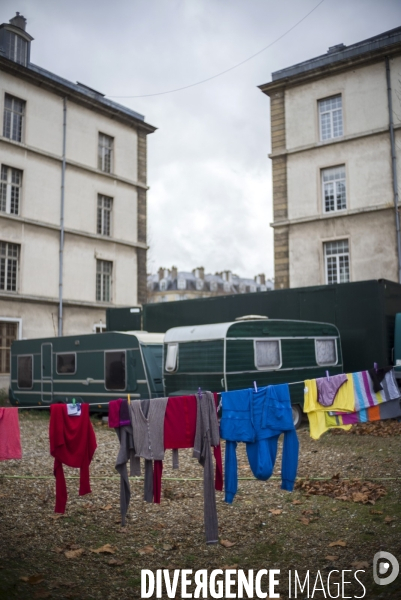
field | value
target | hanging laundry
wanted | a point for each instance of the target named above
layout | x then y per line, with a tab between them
377	376
343	402
114	413
206	435
328	387
73	443
380	412
365	394
258	418
10	440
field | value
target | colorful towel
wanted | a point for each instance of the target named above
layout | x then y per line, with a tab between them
365	395
10	441
380	412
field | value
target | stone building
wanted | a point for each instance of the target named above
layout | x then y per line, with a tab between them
336	132
170	284
72	200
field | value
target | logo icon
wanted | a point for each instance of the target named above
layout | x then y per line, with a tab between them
385	568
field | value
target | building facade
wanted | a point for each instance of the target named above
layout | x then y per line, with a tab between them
336	132
72	201
170	284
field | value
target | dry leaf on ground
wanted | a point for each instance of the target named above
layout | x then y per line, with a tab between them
107	507
275	511
146	550
115	562
360	564
74	553
227	543
331	558
106	549
389	519
338	543
226	567
349	490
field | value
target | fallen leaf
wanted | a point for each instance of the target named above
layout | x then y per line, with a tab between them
167	547
334	509
359	497
225	567
338	543
389	519
115	561
227	543
275	511
304	520
376	512
57	516
106	549
159	526
107	507
146	550
34	579
331	558
74	553
24	578
360	564
57	550
296	502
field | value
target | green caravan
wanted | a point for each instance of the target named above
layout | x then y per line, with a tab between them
93	368
250	351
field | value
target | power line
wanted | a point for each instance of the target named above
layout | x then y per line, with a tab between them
185	87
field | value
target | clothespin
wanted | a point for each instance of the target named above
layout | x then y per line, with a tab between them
375	366
255	386
129	399
200	392
74	401
327	375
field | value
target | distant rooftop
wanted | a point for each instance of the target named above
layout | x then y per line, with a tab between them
340	52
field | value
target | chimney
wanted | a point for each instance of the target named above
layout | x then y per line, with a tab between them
199	272
174	272
160	273
18	21
260	279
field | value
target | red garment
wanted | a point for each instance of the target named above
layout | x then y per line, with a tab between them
157	480
10	440
114	413
72	442
180	427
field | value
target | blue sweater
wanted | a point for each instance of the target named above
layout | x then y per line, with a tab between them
258	419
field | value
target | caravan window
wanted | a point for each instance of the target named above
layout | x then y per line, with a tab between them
326	352
171	358
267	354
66	364
115	370
24	371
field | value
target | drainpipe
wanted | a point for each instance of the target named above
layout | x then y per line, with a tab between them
394	166
61	252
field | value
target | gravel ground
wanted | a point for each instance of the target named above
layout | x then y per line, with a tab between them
44	555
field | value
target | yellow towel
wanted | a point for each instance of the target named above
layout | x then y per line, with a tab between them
343	402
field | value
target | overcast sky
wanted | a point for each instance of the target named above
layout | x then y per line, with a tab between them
210	197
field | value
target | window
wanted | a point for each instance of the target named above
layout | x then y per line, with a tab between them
66	364
331	117
171	358
227	286
17	48
199	284
213	286
10	190
103	280
181	283
115	370
9	254
326	352
334	190
24	371
104	206
99	327
267	354
337	261
163	285
105	153
8	333
242	288
14	109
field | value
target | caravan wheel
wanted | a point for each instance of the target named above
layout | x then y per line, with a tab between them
297	415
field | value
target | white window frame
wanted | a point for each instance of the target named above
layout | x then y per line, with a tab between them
105	152
8	188
326	339
14	114
99	327
17	49
181	283
163	285
63	353
7	259
171	362
269	368
337	256
334	177
330	111
19	330
104	215
102	277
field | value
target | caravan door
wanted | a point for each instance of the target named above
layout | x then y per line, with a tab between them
47	372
